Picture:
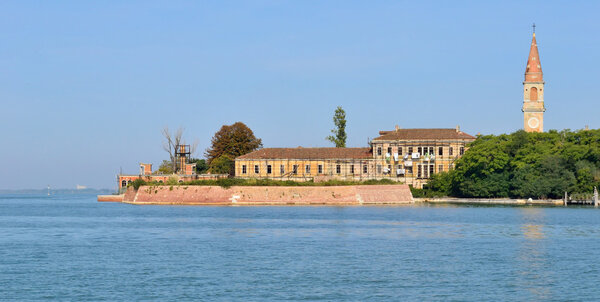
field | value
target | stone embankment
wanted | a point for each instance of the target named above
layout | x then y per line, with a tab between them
492	201
110	198
268	195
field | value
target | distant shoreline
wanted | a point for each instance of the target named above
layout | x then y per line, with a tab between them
56	191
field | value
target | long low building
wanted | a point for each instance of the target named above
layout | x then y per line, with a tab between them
410	156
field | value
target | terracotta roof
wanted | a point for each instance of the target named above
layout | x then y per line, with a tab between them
533	71
425	133
309	153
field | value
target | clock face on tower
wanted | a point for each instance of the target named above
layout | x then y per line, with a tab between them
533	122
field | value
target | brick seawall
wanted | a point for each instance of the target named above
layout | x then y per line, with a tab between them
270	195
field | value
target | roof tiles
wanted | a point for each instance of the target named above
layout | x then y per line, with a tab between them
309	153
423	134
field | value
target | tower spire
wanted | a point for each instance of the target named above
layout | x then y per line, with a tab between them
533	71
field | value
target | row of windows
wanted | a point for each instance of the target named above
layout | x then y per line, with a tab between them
423	170
338	169
422	150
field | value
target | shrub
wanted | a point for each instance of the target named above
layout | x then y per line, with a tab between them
136	184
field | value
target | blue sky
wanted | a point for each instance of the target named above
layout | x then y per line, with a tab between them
86	87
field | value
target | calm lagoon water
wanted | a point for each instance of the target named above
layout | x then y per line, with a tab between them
71	247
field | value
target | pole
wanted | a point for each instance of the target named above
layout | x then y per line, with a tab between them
595	197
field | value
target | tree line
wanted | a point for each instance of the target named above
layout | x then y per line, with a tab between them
524	165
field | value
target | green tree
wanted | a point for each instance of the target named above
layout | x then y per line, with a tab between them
201	165
523	165
223	165
232	141
339	132
166	167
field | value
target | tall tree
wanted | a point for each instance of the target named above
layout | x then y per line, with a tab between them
339	132
232	141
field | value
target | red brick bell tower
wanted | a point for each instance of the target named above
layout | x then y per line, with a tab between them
533	91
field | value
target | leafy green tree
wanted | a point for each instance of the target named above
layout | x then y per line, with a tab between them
232	141
339	132
223	165
548	179
166	167
201	165
523	165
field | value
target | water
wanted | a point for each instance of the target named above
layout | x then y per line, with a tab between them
71	247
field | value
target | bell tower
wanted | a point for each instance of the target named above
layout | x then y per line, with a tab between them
533	91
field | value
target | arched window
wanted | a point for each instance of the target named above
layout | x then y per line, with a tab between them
533	96
123	184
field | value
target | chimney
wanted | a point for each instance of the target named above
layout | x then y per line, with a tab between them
457	128
397	128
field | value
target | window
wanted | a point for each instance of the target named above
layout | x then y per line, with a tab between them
419	171
462	150
307	169
450	151
123	184
533	95
389	169
419	150
399	150
243	169
378	169
256	170
351	169
430	150
295	169
431	167
320	168
410	150
409	170
282	169
441	151
365	169
378	150
268	169
440	168
338	169
389	150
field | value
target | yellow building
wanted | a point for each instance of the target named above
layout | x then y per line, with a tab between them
406	155
413	155
305	163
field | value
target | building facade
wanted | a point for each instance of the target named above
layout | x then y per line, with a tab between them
414	155
410	156
533	92
303	164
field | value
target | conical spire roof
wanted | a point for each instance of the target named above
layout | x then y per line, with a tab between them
533	72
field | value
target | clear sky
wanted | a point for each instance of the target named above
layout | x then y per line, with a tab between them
87	86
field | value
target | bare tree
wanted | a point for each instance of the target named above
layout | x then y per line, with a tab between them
172	140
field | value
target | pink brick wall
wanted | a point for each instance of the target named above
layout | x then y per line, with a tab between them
214	195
